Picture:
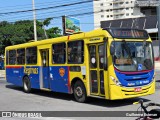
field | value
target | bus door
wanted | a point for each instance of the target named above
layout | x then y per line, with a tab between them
45	68
96	61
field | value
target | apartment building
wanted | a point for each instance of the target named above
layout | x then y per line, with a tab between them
105	10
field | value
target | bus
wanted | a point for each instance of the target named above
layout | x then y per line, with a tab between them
111	63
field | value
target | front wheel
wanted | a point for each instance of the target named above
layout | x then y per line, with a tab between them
79	92
26	85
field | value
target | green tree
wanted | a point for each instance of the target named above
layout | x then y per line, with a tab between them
23	31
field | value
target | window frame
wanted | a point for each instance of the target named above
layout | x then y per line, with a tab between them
82	53
21	56
64	53
26	54
12	57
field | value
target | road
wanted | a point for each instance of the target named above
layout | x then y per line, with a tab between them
12	98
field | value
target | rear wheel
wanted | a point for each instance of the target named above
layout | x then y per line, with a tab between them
26	85
79	92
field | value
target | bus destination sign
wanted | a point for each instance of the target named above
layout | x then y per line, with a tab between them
129	33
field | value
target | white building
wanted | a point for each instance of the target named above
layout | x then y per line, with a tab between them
114	9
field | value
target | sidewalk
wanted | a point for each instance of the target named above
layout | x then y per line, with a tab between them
157	65
157	70
2	73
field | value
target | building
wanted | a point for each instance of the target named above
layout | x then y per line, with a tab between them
105	10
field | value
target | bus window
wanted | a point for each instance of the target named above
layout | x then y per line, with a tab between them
101	56
59	53
93	63
31	55
12	57
20	56
6	57
76	52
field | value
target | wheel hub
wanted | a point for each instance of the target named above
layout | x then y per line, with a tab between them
79	91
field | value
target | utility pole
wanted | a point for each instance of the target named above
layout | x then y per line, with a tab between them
34	21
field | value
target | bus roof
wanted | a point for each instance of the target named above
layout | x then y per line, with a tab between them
111	32
78	36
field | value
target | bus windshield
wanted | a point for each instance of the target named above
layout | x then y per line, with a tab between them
133	56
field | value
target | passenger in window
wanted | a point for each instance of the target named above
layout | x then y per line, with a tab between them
53	57
69	54
61	58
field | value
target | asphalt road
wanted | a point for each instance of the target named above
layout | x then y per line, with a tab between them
12	98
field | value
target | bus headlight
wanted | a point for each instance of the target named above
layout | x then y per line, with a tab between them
115	81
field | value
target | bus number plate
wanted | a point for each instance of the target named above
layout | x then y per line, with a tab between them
137	89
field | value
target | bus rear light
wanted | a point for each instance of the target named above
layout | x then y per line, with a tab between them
115	81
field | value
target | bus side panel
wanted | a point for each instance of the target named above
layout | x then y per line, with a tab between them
13	75
33	74
59	79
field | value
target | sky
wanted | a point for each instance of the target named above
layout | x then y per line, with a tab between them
86	21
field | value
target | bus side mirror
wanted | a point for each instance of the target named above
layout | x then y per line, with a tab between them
112	50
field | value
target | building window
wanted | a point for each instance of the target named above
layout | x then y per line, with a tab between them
131	13
127	14
107	16
110	4
110	9
127	8
111	15
31	55
107	10
102	16
127	2
21	56
101	4
102	10
76	52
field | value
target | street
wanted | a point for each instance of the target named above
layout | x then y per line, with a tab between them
12	98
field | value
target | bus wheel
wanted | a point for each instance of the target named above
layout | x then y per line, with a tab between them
79	92
26	85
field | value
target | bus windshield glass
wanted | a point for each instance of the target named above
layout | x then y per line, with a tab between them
133	56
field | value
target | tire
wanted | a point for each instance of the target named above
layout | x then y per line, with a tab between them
79	92
26	85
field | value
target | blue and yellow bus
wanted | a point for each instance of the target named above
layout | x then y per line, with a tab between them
109	63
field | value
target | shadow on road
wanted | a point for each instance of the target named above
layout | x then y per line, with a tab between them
91	101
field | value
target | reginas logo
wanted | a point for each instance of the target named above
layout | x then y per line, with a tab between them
61	72
29	71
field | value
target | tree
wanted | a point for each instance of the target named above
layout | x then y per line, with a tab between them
23	31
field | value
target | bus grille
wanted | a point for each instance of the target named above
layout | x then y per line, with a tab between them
131	92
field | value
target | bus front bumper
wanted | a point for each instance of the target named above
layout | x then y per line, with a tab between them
119	92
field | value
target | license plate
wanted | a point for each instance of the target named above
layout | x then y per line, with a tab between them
137	89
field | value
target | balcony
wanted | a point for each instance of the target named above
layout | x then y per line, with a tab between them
118	16
117	6
118	12
118	1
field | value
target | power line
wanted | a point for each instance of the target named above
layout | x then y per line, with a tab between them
75	9
71	15
54	12
53	7
37	4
